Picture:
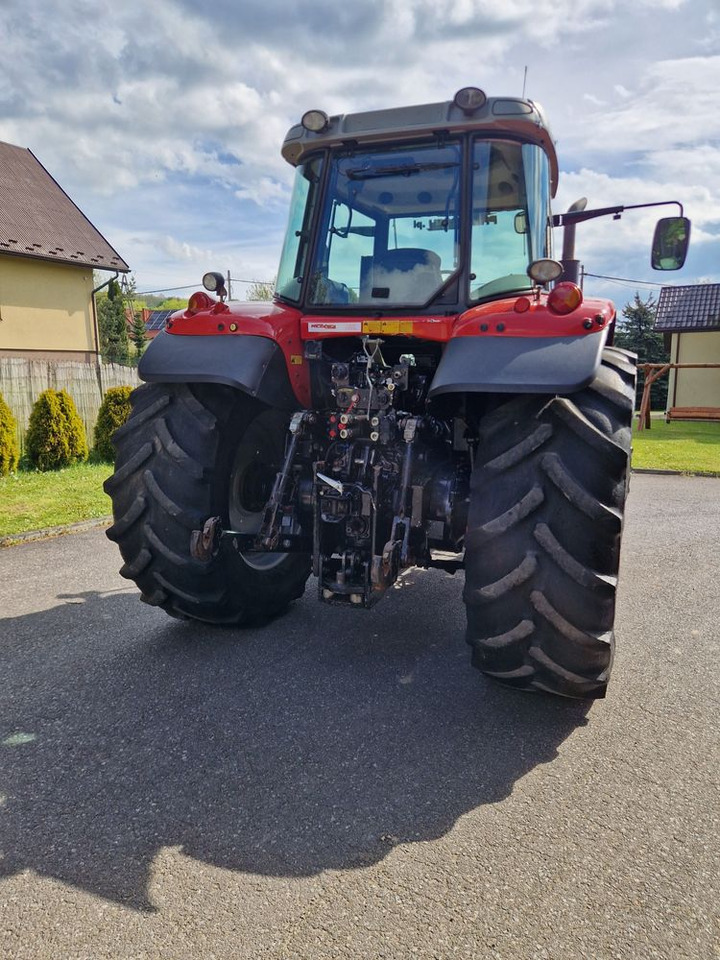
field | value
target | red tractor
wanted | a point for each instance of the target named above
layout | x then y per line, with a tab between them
428	387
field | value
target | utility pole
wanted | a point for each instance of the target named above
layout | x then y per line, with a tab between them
229	285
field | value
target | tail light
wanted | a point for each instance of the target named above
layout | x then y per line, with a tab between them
199	301
564	298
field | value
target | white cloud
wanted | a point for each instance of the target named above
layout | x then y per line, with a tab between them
164	120
674	104
183	251
263	192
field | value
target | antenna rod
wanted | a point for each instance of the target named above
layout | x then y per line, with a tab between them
524	82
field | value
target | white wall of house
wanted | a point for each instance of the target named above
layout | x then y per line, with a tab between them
695	388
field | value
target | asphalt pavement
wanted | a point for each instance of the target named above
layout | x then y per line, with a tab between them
342	783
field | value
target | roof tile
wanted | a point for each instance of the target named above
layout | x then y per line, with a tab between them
40	219
695	307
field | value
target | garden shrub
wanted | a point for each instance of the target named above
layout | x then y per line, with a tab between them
56	435
9	451
76	428
114	411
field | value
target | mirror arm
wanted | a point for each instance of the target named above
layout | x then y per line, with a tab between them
564	219
659	203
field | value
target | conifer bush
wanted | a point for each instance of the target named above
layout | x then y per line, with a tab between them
56	435
75	426
9	451
114	411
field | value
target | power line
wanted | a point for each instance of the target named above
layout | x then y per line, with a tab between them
146	293
638	283
270	283
194	286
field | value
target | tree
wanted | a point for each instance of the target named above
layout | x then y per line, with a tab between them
154	301
261	290
133	308
171	303
635	332
112	324
138	333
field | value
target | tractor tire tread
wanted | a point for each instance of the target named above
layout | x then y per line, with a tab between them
543	537
168	480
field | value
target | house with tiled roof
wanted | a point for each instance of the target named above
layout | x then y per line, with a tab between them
49	251
690	317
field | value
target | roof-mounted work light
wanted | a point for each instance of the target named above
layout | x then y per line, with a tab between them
470	99
315	121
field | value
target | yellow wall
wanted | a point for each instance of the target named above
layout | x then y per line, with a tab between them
45	306
696	388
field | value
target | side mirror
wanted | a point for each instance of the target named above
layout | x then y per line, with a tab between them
670	243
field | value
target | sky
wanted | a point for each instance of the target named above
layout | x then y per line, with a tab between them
163	120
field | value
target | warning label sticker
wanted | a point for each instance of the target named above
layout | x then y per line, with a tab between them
387	326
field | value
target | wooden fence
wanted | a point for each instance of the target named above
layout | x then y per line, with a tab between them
22	382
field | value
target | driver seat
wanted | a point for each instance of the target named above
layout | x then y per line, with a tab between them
405	275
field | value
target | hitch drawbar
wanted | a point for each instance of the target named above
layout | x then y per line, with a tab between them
205	543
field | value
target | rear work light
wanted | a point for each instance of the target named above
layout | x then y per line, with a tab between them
564	298
545	271
215	283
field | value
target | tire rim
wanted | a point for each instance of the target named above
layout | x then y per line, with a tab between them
257	461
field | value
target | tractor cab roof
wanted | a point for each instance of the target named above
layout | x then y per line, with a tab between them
496	117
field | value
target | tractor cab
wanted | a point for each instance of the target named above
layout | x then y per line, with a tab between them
432	208
426	208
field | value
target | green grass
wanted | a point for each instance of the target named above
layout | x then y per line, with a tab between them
34	501
684	446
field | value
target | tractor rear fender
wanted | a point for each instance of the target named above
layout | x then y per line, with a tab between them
505	364
256	365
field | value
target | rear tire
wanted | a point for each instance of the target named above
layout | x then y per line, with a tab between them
179	461
543	538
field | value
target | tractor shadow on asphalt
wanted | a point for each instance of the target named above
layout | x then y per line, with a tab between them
318	742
